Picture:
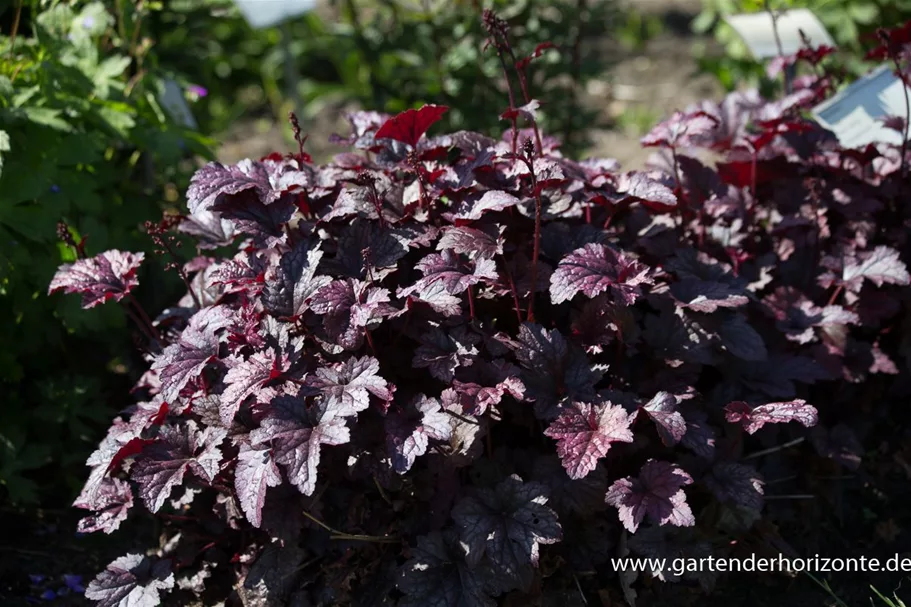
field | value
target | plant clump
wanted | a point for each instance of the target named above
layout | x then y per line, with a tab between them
448	368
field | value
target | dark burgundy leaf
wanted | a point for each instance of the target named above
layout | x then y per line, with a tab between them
708	296
110	275
443	352
507	524
554	372
438	576
737	484
210	229
657	493
740	339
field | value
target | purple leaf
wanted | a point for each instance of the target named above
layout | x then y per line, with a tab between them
879	266
754	418
178	450
132	581
584	433
267	180
210	229
245	379
507	524
656	493
485	242
595	269
448	269
295	433
111	504
294	281
662	410
347	386
110	275
350	308
473	208
255	473
637	186
682	130
182	361
707	296
408	433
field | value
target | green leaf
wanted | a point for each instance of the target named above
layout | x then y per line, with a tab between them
4	147
48	117
863	13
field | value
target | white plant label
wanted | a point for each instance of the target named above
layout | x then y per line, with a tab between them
758	33
176	105
266	13
855	114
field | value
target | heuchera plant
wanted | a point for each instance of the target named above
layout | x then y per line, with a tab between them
448	368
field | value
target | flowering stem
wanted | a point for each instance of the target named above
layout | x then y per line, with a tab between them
904	171
470	303
512	288
523	84
536	247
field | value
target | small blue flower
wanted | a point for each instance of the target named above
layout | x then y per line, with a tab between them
88	22
55	189
74	583
48	595
35	578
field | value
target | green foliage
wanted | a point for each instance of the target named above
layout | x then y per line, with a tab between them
391	55
83	138
850	22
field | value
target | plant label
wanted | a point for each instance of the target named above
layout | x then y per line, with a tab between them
758	32
266	13
856	113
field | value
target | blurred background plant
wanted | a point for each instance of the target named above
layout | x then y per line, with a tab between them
852	24
84	138
390	55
